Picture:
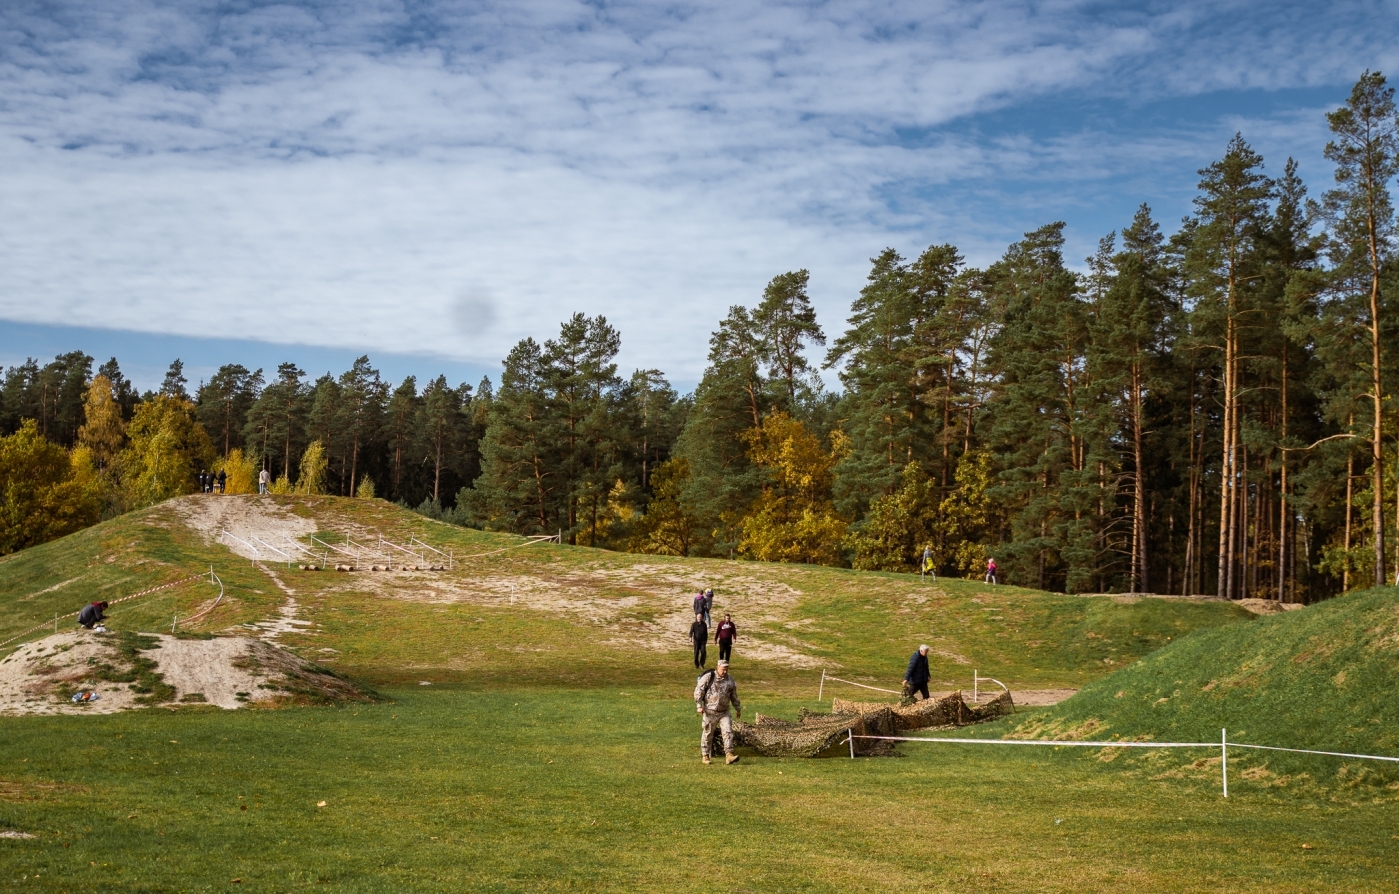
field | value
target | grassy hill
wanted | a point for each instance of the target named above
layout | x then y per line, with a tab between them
1323	678
521	615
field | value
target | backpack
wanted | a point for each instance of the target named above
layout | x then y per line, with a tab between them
708	678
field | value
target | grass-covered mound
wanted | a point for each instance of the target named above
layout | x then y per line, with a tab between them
512	614
1323	678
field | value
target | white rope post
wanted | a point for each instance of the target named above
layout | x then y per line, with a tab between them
819	692
850	737
1224	760
976	687
172	624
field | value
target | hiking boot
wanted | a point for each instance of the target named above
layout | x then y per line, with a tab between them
705	760
731	758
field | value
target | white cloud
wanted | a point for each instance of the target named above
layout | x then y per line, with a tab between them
334	174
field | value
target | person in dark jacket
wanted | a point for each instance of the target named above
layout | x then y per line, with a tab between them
203	481
916	677
699	636
724	635
92	614
223	478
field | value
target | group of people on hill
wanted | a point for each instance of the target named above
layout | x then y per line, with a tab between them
211	483
724	634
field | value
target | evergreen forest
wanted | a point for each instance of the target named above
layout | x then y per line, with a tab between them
1203	409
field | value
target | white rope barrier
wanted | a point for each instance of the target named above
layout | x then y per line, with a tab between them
543	538
1223	746
825	677
183	580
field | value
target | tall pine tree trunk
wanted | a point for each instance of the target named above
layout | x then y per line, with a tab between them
1139	574
1227	503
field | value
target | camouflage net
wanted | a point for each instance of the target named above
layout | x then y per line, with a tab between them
815	735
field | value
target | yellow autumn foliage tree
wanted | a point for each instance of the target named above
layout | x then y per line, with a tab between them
241	471
793	520
168	448
45	491
311	479
666	529
104	432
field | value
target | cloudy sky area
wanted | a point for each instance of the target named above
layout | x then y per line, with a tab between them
430	182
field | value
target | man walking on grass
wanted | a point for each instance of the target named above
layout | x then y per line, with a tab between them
916	677
724	635
699	637
715	691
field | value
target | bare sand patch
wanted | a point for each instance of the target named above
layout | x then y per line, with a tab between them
245	516
229	672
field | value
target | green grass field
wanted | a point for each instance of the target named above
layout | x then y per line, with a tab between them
548	755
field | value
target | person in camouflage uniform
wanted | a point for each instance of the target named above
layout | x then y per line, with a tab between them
714	693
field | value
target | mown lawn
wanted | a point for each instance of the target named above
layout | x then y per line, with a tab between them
449	789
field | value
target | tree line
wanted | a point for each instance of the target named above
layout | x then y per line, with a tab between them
1199	412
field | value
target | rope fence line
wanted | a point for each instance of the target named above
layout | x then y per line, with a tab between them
542	538
1223	746
147	592
213	578
976	685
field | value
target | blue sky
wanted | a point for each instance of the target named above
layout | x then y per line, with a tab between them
430	182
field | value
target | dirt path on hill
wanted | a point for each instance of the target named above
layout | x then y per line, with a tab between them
245	516
645	606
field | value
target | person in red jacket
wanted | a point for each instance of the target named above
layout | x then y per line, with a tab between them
724	635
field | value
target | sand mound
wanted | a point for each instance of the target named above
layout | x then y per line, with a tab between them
141	670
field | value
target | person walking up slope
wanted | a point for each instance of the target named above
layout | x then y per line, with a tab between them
991	572
724	635
699	637
715	691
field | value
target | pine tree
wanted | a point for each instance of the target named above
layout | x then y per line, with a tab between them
519	486
401	430
276	422
174	383
1224	264
880	407
581	378
359	413
440	430
1040	415
785	323
1128	344
224	402
1360	215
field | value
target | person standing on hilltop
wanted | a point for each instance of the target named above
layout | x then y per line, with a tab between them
991	572
223	479
699	638
724	635
262	479
715	692
917	675
203	481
